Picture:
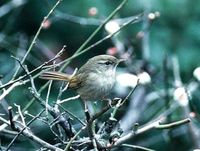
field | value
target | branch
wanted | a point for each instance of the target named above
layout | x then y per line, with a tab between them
137	18
6	92
39	141
105	109
154	125
33	71
91	124
18	82
56	114
78	52
100	27
21	131
172	125
73	138
36	36
21	115
74	116
121	102
68	99
27	133
12	125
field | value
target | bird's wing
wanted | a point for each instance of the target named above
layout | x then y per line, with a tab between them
75	82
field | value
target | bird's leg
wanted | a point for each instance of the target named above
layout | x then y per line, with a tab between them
90	125
86	110
113	102
109	101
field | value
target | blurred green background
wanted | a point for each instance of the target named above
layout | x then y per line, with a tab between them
174	33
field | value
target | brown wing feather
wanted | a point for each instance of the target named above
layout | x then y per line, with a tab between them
74	83
53	75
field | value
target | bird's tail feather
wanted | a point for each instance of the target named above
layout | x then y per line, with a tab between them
53	75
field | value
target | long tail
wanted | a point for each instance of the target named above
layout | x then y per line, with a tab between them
53	75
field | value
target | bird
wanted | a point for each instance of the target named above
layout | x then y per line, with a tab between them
93	81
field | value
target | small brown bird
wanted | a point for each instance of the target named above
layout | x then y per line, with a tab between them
93	81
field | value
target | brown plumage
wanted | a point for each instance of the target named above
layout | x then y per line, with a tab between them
94	80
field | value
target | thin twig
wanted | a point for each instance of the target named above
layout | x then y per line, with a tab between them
68	99
36	139
73	138
55	134
116	108
121	102
173	124
80	49
131	92
56	114
155	125
6	123
21	131
18	82
74	116
59	95
75	55
18	60
85	21
21	115
105	109
32	116
58	101
91	124
78	53
34	70
10	113
47	97
36	36
7	91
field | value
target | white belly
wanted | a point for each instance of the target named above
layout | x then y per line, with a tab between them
97	86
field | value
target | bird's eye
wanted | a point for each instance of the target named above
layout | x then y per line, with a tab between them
108	62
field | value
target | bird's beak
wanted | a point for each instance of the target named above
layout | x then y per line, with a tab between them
121	60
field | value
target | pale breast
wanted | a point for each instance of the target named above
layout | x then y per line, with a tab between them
97	86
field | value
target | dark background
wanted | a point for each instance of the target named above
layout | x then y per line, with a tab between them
175	33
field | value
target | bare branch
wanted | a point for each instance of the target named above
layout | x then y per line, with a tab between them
21	115
73	138
172	125
21	131
80	51
74	116
36	36
7	91
12	125
56	114
155	125
69	99
33	71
